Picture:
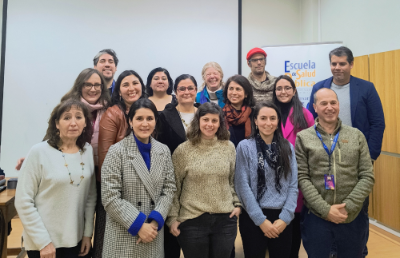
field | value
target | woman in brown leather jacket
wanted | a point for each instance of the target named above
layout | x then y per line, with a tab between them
129	87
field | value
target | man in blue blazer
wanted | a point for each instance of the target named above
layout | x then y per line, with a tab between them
360	105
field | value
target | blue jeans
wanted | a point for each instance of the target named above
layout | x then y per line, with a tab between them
208	236
318	235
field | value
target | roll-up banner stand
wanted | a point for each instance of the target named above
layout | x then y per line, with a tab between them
306	64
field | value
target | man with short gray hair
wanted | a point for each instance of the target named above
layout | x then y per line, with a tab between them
360	105
106	63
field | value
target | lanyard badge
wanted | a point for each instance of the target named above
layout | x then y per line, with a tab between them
329	178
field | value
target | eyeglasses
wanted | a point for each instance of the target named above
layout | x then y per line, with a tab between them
89	86
183	89
286	88
262	60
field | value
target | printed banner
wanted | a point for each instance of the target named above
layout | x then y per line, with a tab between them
305	64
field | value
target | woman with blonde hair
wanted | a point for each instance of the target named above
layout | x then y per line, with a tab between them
212	86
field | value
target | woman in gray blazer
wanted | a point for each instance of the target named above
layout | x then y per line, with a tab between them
137	188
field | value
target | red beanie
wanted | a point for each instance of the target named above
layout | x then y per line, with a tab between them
255	50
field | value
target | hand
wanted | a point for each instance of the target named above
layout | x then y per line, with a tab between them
280	225
335	215
269	230
147	233
85	246
236	212
343	211
49	251
19	164
2	177
174	228
154	223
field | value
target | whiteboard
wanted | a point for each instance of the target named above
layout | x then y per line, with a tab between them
50	42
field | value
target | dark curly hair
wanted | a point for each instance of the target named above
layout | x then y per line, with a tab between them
53	136
194	133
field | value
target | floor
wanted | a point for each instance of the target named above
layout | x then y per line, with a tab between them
381	244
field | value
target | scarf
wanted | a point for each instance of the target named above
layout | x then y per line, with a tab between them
271	155
204	97
235	118
99	108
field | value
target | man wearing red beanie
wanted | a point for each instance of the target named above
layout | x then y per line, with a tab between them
261	80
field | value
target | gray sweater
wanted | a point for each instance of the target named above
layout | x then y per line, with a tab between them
50	208
246	185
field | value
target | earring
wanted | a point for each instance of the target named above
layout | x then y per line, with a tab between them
58	132
120	98
256	127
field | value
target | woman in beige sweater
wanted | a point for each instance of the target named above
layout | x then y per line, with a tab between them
205	207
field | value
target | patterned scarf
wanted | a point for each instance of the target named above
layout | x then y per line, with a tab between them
271	155
95	136
235	118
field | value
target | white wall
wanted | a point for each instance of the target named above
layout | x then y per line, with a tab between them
50	42
309	21
269	22
365	26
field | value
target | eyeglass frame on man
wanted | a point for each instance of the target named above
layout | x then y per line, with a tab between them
262	60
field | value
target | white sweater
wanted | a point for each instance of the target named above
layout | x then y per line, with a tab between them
50	208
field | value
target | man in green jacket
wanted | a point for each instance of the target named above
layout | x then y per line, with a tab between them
335	174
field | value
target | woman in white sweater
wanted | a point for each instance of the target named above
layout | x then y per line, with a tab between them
56	193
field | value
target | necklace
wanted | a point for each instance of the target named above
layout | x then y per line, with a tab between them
69	173
183	120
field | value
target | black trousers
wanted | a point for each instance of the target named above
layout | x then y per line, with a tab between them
208	236
172	249
255	244
296	236
100	226
63	252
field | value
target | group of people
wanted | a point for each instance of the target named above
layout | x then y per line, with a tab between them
168	166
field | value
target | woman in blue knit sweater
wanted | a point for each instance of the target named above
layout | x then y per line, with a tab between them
266	183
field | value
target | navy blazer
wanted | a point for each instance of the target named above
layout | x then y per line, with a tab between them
366	111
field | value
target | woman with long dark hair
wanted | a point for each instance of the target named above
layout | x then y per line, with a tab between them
113	127
294	119
239	101
266	183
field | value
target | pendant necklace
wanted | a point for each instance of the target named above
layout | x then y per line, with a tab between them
183	120
69	172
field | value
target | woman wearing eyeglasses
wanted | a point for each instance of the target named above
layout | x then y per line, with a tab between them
174	122
89	87
294	119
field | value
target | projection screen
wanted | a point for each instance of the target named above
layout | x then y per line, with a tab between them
50	42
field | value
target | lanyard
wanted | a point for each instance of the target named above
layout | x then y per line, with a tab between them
325	147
